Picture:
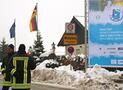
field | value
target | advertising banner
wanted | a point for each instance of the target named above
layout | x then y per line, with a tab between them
106	33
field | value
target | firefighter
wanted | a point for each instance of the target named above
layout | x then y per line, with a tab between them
21	67
5	67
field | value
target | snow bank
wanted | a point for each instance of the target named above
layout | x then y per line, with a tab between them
95	78
43	64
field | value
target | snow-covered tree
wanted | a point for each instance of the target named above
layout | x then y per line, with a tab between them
3	47
38	47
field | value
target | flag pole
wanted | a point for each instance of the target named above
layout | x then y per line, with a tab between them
85	36
37	20
15	35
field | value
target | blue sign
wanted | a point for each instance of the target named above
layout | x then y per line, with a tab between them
105	33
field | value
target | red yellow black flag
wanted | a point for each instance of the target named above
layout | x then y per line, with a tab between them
33	20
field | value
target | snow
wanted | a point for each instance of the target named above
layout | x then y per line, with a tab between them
46	54
95	78
81	55
43	64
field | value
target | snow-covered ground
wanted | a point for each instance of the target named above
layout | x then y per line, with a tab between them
95	78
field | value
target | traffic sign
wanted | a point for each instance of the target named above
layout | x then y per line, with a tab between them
70	39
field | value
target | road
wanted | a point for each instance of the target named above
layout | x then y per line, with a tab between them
53	87
45	87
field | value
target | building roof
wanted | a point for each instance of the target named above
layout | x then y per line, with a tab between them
79	31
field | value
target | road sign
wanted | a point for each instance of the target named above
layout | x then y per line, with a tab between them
70	39
70	49
70	28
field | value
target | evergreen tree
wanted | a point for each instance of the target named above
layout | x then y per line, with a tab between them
38	47
3	49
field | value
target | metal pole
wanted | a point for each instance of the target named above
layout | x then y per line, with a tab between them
37	20
15	35
37	15
85	35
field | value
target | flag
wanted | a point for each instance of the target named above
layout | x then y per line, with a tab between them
33	20
12	31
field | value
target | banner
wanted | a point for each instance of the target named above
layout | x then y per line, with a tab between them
12	31
106	33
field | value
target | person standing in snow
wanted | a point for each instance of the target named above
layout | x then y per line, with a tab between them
21	67
5	67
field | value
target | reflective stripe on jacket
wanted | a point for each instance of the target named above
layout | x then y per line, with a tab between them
5	83
20	70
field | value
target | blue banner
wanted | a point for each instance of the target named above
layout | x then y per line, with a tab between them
12	31
106	33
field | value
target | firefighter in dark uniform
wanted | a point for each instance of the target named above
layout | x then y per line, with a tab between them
5	67
21	67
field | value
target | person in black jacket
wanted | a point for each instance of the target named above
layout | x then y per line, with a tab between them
5	67
21	67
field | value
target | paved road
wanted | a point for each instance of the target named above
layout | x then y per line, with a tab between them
53	87
45	87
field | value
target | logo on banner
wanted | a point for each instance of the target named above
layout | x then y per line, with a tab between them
117	15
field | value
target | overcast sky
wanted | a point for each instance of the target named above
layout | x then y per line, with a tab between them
52	16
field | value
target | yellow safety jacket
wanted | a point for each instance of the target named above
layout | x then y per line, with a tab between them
5	69
22	64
